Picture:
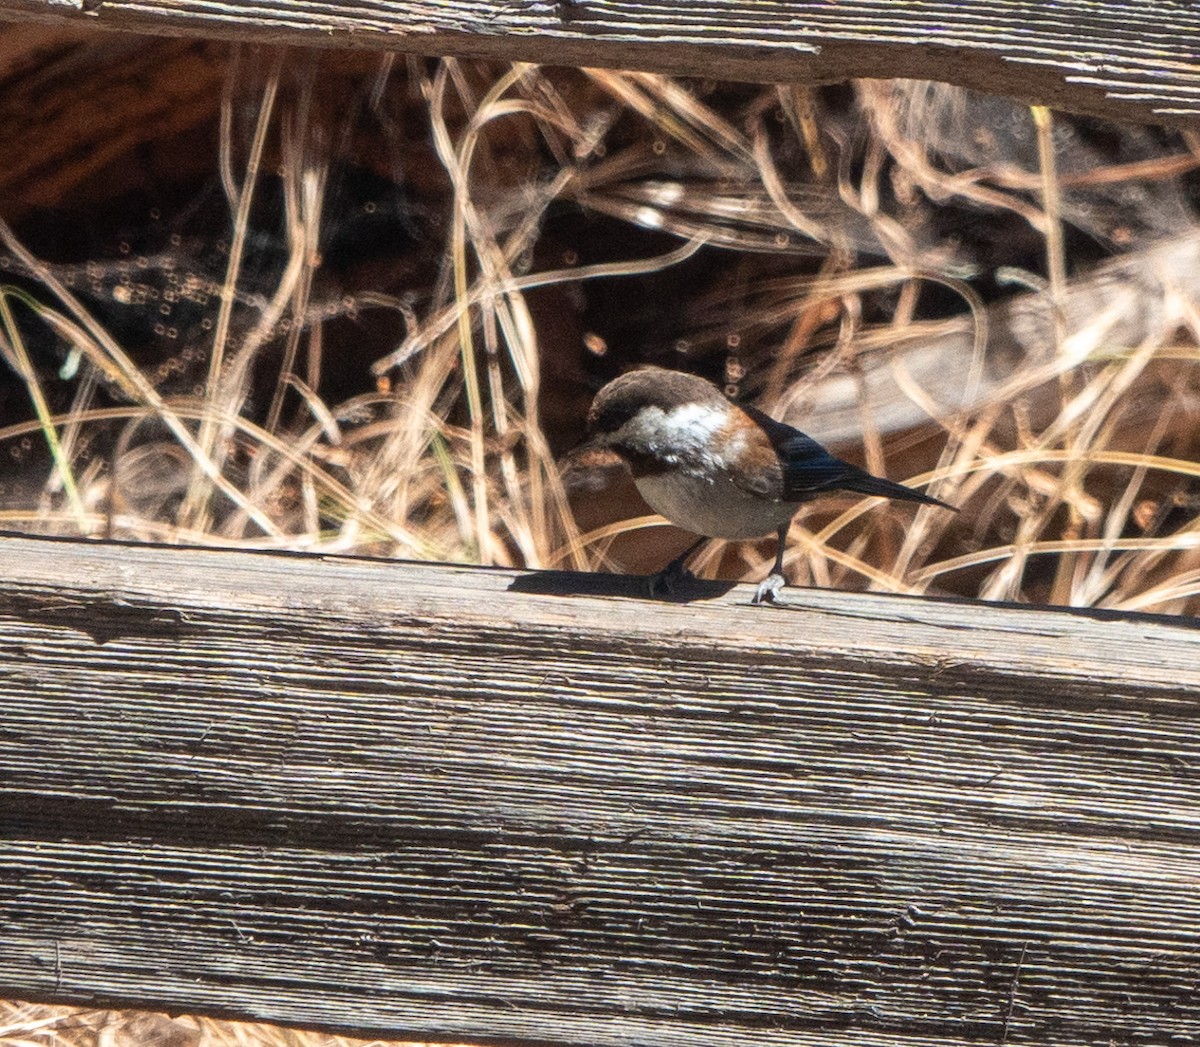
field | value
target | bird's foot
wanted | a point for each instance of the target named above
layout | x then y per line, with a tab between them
669	579
769	588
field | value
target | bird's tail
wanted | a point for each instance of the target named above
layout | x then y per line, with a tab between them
861	482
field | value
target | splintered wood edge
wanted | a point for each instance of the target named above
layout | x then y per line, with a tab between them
1122	59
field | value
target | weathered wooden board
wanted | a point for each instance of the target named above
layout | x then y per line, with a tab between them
501	806
1122	58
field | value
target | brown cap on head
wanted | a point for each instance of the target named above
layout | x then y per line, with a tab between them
657	387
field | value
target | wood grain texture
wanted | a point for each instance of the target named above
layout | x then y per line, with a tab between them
520	807
1122	58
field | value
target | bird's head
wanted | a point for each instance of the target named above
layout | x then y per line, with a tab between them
659	413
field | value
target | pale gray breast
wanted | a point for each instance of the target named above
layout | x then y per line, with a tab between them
714	506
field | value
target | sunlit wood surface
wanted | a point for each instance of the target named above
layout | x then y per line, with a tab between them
1122	58
505	806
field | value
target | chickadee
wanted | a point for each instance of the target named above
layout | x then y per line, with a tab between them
717	469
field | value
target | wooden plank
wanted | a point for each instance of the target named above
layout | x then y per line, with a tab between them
1132	59
448	802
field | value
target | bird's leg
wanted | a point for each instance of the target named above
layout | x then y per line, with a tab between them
769	587
674	573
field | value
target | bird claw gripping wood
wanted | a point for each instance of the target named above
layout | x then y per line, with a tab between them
769	589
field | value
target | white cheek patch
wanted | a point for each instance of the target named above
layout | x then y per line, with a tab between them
683	433
699	421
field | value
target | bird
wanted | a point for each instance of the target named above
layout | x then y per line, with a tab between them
717	468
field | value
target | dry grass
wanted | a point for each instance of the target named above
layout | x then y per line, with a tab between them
825	244
35	1025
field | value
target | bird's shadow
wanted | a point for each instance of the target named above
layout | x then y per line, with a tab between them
635	587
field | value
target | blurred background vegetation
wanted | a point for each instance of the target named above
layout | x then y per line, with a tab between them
358	302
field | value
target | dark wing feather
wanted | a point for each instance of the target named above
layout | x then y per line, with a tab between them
809	469
861	482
